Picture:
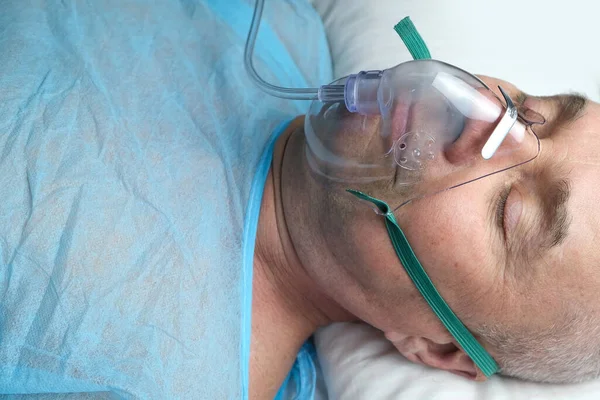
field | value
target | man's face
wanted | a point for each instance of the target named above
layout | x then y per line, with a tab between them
515	248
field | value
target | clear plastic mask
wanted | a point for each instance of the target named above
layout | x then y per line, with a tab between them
417	129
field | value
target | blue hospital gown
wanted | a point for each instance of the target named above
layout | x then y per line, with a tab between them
133	154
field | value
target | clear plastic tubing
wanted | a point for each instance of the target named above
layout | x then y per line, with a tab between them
359	93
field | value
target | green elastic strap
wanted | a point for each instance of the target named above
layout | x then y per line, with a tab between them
411	38
413	267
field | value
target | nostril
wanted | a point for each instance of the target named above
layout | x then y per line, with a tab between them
469	143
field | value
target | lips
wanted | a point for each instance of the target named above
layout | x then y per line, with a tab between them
400	120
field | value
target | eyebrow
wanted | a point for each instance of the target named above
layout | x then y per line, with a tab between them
555	215
551	224
555	219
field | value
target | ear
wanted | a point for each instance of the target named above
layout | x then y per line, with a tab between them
441	354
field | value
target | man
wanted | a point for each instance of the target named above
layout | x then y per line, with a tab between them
526	288
132	213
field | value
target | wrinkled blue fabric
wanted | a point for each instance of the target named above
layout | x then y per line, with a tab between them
133	153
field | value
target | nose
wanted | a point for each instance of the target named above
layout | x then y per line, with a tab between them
487	134
468	146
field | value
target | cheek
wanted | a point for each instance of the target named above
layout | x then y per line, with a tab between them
375	259
451	240
446	227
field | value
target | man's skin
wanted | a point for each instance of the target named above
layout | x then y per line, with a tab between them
322	257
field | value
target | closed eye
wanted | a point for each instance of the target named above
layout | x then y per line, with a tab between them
500	209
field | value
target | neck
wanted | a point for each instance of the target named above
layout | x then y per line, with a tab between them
287	307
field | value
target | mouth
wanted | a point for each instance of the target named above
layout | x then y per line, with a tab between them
399	123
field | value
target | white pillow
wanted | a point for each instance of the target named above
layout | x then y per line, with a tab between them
544	47
359	363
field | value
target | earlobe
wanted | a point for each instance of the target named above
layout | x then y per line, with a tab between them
464	367
442	354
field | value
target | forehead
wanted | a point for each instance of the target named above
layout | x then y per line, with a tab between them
569	274
576	148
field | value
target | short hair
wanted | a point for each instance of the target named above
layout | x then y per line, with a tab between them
566	352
